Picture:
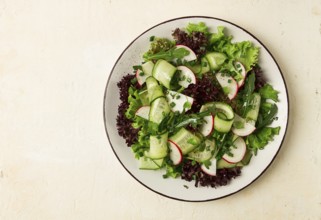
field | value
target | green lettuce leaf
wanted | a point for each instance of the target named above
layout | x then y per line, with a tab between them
134	103
142	143
258	140
267	92
200	27
244	52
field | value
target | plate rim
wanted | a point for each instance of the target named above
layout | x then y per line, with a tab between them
270	54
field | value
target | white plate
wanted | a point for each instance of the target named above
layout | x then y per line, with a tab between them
176	188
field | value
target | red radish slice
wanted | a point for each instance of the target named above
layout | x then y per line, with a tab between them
208	126
178	101
211	170
187	76
245	130
238	151
228	84
143	112
175	154
191	56
141	77
241	69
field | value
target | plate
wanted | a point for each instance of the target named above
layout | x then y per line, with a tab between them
176	188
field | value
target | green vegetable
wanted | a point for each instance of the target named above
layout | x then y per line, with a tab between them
134	102
245	96
243	52
173	53
267	114
200	27
259	139
267	92
159	44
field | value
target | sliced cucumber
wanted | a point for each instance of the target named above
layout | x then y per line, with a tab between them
151	82
224	117
185	140
205	65
215	59
224	164
253	113
154	89
148	68
221	124
163	71
158	146
143	96
204	154
146	163
247	157
159	109
196	68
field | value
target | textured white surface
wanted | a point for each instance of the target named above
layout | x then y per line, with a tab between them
55	160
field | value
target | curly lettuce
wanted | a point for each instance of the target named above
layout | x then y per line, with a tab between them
134	103
244	52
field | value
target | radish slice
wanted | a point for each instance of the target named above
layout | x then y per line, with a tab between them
228	84
191	56
211	170
175	153
241	69
187	76
237	151
207	127
141	77
246	129
178	101
143	112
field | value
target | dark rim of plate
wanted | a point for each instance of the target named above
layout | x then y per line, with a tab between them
191	17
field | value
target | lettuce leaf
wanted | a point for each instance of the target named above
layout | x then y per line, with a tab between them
244	52
267	92
134	103
258	140
200	27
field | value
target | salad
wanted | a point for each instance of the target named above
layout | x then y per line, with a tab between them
197	106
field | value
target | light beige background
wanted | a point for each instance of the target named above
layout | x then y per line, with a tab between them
55	160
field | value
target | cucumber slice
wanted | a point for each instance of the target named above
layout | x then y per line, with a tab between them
159	109
158	146
154	89
148	68
253	113
224	164
151	82
224	116
205	154
215	59
163	71
196	68
143	96
145	163
185	140
205	66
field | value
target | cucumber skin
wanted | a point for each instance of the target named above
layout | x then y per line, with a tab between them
215	59
158	147
156	116
145	163
181	139
163	71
